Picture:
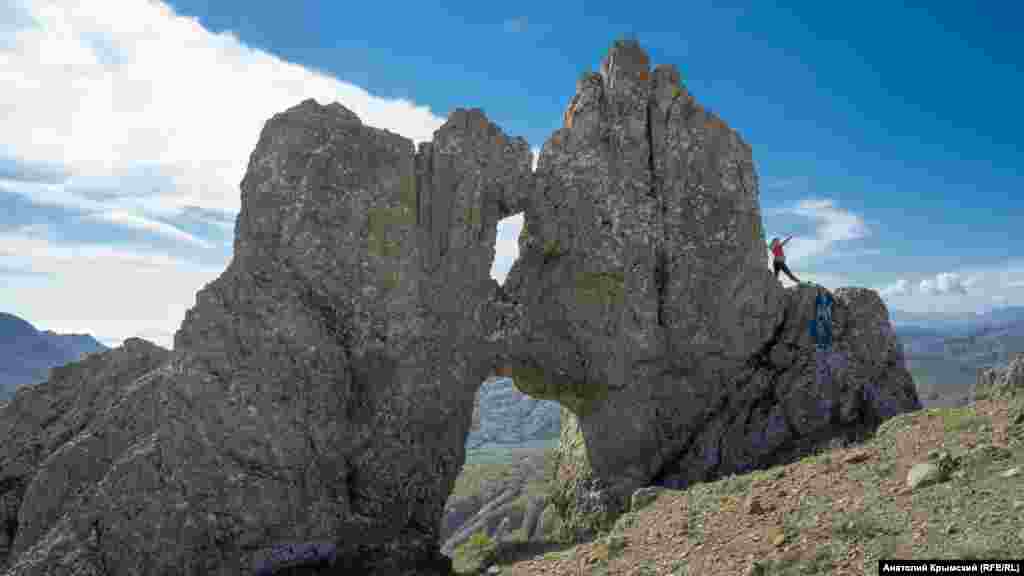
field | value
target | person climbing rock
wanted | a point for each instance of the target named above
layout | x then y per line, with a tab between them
779	258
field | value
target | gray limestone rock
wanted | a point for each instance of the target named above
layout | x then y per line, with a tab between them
643	303
644	496
43	428
503	531
321	389
531	520
487	518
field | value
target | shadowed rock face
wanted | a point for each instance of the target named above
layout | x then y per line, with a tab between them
322	387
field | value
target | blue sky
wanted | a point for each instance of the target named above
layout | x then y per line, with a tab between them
886	138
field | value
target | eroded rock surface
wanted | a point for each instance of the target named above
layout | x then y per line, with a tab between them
322	387
44	429
647	308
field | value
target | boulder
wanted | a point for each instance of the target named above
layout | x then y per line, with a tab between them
644	496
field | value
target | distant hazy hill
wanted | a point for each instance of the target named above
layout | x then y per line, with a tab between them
26	354
944	352
960	323
504	416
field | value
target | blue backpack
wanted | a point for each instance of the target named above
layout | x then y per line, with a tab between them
821	325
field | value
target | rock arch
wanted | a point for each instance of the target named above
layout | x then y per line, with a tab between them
322	387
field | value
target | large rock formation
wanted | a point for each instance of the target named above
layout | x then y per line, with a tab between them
647	309
322	388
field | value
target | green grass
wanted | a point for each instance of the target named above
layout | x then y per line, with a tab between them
858	526
961	419
474	554
971	516
552	250
820	563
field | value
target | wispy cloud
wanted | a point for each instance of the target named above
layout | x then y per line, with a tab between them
964	290
516	25
832	225
106	126
900	288
128	220
106	87
118	291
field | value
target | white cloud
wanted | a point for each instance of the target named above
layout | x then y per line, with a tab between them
146	120
102	88
140	223
506	249
832	225
900	288
536	157
944	283
516	25
965	290
113	292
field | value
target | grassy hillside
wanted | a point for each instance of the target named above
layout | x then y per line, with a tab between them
836	512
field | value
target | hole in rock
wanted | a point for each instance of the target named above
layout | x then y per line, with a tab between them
502	490
506	246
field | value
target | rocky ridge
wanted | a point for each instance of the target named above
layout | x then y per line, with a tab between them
322	388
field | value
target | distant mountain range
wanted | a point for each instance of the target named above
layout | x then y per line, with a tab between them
957	323
945	352
27	354
504	416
